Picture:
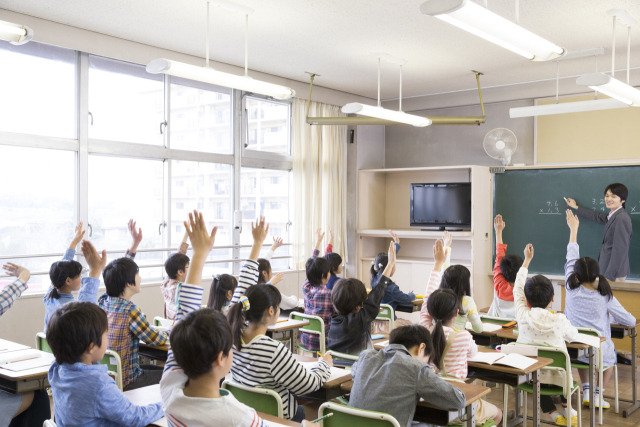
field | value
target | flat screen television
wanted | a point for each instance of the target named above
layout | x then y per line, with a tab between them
442	205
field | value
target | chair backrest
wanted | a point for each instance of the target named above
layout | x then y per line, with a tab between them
41	342
495	319
386	313
352	417
261	399
315	326
561	362
589	331
49	423
114	365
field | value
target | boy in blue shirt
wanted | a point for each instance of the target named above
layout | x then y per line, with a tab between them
83	392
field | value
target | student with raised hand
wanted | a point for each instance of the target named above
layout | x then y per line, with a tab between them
29	408
176	267
537	325
249	270
335	262
590	303
136	238
265	275
66	276
83	392
504	275
614	254
221	291
402	368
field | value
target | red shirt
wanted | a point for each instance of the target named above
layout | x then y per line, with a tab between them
500	284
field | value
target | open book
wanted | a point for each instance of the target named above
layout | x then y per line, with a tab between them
335	372
513	360
591	340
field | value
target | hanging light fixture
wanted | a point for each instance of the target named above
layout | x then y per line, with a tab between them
481	22
15	33
207	74
383	113
609	85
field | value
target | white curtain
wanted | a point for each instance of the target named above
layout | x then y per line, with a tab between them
320	180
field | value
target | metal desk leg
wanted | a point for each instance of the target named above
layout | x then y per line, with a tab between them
592	380
635	404
471	415
536	398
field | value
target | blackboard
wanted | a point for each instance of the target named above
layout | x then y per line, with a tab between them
532	206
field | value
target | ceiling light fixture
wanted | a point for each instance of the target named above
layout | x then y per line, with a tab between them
609	85
14	33
382	113
481	22
209	75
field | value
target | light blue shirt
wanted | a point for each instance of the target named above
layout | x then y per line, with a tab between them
85	395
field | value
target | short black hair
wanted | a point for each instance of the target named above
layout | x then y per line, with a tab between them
117	274
334	260
73	327
509	266
198	339
317	269
619	190
60	271
411	336
539	291
347	295
264	266
175	263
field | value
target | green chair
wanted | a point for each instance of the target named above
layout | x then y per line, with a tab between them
352	417
114	366
315	327
337	356
41	342
261	399
561	364
386	314
601	369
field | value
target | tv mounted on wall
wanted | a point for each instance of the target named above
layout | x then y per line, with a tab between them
441	205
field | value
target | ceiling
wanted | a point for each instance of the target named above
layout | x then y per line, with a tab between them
336	39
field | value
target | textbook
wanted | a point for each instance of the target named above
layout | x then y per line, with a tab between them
591	340
513	360
335	372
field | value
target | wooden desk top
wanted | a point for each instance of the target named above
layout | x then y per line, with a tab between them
417	301
37	372
164	347
287	325
541	363
618	326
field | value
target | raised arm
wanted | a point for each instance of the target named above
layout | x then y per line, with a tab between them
97	261
10	293
573	250
184	245
518	289
319	237
277	242
77	238
249	271
136	238
500	284
372	303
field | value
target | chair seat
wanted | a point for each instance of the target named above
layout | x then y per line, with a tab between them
546	389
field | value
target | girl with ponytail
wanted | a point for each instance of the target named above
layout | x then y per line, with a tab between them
221	292
590	303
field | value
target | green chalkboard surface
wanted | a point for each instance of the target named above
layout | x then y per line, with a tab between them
532	206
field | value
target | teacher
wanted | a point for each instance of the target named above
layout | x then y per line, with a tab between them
614	254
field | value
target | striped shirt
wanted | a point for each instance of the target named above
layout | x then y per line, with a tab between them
127	327
455	359
264	362
182	410
434	283
10	293
247	278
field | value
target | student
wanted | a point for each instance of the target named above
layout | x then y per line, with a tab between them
452	348
176	268
83	392
350	330
614	254
66	277
393	295
402	369
317	299
127	324
32	407
504	275
265	275
221	291
590	303
539	326
334	260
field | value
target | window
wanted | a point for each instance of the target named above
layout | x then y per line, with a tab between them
38	87
268	125
126	103
200	117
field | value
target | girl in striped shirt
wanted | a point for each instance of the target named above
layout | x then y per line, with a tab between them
259	361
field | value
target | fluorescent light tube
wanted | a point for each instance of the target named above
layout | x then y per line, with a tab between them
14	33
611	87
383	113
566	107
209	75
481	22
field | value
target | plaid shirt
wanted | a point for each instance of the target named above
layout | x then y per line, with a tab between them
317	302
10	293
127	326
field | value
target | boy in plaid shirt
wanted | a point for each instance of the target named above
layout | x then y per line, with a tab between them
127	324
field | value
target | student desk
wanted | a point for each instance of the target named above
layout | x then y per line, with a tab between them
572	347
430	414
330	389
619	331
28	379
151	394
415	305
485	337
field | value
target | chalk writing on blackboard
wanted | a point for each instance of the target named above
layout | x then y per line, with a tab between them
551	208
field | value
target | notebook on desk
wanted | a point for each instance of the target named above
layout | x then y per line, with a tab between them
513	360
335	372
23	360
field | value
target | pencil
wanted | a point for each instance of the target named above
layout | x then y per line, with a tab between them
322	418
320	354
